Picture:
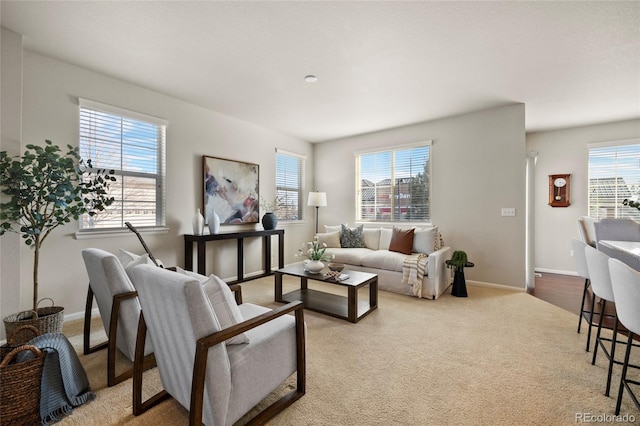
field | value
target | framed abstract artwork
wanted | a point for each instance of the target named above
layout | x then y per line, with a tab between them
231	188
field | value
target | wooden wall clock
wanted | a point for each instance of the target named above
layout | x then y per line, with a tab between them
559	190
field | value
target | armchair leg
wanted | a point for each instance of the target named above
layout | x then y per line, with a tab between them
112	379
140	364
87	326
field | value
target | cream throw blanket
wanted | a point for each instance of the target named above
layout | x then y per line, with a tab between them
413	270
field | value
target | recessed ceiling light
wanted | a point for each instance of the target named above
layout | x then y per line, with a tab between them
310	78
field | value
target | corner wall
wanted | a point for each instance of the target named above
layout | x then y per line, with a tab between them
50	111
11	127
478	168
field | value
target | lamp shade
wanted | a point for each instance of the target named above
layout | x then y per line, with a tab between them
317	199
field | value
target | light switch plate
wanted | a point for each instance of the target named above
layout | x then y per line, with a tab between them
508	211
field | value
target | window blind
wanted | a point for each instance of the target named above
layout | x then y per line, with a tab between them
134	146
289	185
393	185
614	175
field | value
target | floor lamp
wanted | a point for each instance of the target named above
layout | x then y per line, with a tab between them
317	200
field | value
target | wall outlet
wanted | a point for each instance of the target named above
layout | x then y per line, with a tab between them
508	211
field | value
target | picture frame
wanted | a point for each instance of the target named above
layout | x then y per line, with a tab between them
231	189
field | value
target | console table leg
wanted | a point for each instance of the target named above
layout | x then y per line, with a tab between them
202	263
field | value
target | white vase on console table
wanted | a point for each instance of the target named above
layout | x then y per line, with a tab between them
214	222
198	223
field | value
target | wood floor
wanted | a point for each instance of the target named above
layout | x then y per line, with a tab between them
564	291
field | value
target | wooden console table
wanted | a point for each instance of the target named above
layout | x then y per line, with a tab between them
201	241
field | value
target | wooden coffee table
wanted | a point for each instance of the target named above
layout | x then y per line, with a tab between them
347	308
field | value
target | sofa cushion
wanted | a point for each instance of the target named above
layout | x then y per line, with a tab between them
401	240
351	256
424	240
371	238
331	239
385	238
384	259
352	237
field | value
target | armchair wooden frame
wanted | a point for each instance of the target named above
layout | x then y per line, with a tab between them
112	379
200	365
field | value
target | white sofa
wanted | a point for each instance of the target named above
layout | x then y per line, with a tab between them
376	258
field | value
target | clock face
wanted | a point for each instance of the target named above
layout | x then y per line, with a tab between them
560	182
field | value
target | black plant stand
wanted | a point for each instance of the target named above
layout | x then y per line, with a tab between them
459	288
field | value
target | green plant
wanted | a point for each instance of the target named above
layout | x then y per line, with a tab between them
458	260
44	189
314	251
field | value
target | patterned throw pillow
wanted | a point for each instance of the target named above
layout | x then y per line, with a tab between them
352	237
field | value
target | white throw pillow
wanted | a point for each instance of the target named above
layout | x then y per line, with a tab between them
140	260
126	257
331	239
385	238
424	240
371	238
222	301
333	228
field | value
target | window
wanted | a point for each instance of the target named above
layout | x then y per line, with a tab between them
133	145
394	185
614	175
289	184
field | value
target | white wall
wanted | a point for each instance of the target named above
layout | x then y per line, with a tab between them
50	111
10	125
478	168
565	151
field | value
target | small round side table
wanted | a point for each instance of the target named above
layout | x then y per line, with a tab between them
459	288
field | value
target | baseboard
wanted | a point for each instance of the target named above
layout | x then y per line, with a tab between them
556	271
500	286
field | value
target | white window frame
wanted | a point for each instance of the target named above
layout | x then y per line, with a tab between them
301	183
600	206
393	149
159	177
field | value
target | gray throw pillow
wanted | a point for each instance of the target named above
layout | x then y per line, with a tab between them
352	237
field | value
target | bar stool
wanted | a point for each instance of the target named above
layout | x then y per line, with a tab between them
626	289
598	265
582	271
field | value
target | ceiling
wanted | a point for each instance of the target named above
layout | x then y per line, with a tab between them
379	64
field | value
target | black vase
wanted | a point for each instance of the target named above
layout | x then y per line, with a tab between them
269	221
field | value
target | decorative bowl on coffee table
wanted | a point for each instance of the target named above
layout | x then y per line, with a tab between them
336	267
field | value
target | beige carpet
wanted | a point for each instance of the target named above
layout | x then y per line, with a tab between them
495	358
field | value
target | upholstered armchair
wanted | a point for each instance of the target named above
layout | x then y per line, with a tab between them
216	358
119	310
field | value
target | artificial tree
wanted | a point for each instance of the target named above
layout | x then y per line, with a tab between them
45	188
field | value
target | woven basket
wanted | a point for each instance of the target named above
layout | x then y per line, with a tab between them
11	342
45	320
20	388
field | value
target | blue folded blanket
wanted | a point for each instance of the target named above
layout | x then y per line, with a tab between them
64	382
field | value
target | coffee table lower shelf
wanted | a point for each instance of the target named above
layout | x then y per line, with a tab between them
326	303
329	303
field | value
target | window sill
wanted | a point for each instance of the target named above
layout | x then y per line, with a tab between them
108	233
